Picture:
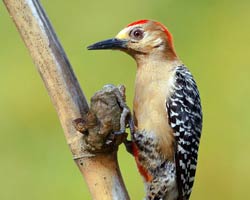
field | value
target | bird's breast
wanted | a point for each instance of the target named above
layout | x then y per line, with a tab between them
152	89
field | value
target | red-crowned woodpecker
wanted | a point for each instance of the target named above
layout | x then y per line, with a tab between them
167	110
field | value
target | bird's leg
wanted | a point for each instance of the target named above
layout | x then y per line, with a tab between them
126	117
125	113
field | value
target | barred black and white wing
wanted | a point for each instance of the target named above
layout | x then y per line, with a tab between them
185	118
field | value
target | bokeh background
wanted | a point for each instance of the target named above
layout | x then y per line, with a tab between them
211	36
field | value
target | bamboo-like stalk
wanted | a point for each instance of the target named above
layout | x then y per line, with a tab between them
101	171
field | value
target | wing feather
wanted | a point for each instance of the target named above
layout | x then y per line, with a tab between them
185	118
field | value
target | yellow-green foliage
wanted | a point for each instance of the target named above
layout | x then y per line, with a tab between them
212	38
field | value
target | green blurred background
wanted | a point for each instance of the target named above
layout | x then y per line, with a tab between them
212	38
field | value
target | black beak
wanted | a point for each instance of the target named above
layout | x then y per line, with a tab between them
113	43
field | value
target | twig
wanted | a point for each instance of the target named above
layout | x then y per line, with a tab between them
100	171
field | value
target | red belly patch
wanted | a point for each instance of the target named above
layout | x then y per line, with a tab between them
142	170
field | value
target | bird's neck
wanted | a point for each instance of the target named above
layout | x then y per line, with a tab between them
156	68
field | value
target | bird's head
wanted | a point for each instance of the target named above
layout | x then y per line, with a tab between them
141	38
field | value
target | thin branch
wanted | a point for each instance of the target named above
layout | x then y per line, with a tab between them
100	171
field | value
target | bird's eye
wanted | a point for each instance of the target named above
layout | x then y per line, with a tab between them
136	34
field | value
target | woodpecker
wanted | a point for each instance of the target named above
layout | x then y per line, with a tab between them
167	110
